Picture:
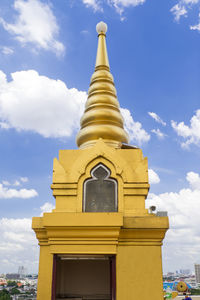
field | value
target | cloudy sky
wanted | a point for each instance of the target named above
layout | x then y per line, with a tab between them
47	56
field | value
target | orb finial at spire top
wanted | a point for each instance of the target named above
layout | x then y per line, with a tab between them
101	27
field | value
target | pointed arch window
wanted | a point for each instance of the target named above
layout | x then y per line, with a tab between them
100	191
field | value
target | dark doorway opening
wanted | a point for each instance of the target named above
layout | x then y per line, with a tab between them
84	277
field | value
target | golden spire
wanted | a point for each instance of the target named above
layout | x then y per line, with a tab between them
102	117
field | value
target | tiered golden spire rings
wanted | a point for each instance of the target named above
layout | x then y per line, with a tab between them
102	117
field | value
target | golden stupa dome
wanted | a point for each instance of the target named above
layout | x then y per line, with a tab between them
102	117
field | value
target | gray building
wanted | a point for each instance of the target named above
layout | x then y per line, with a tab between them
197	272
22	271
12	276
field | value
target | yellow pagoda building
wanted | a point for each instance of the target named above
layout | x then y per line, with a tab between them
100	243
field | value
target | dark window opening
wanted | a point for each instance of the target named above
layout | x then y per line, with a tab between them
100	191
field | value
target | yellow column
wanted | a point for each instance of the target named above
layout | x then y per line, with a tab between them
139	273
45	274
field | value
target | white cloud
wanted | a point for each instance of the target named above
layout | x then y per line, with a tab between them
125	3
197	26
158	133
5	182
95	4
16	183
119	5
194	180
182	8
32	102
37	103
156	118
35	24
18	245
4	125
136	133
183	238
85	32
153	177
7	193
190	1
47	207
15	237
191	133
6	50
178	11
24	179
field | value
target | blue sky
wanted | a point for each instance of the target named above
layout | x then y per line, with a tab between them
47	56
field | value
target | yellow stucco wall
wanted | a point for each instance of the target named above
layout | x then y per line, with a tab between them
139	272
132	234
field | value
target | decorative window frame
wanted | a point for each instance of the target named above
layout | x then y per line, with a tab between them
93	178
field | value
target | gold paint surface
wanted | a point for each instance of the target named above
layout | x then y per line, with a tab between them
102	117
